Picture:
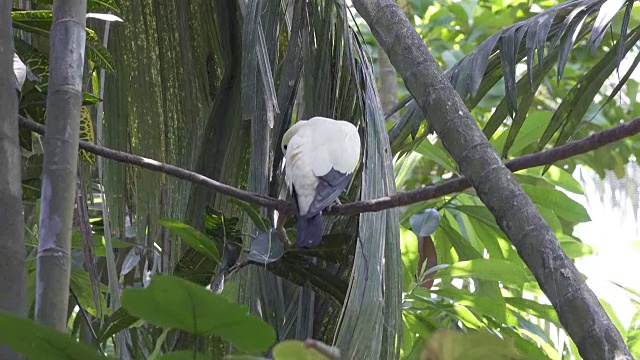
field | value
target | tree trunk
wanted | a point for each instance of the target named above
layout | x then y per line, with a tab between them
578	308
387	83
64	100
13	275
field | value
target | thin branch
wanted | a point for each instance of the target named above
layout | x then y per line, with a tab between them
548	157
150	164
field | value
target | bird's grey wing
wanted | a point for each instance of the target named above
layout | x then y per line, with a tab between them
329	187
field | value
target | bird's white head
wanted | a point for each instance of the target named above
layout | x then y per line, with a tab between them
291	133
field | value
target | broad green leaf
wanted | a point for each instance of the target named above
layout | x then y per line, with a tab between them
488	236
197	240
38	342
465	315
488	269
556	176
574	248
531	131
559	202
173	302
80	284
294	349
551	219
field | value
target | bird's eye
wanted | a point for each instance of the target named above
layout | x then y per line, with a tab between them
285	147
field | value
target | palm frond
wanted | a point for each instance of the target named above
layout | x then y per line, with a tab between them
557	30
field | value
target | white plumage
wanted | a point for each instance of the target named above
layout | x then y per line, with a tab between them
321	155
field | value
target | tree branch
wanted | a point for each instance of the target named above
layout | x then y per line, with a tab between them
548	157
150	164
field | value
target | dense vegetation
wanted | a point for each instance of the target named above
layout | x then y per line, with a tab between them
187	260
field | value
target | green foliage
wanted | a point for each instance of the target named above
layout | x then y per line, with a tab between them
42	343
177	303
292	349
196	240
451	345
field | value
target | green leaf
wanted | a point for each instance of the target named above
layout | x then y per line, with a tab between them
197	240
574	248
534	308
551	219
173	302
558	177
253	213
294	349
530	132
463	247
436	154
81	286
38	342
409	253
89	99
478	302
480	213
488	269
100	56
559	202
118	321
184	355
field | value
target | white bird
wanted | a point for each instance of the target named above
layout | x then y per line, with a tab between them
321	155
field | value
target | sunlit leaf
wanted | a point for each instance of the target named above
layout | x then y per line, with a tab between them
488	269
559	202
293	349
574	248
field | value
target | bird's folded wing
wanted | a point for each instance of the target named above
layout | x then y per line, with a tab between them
329	187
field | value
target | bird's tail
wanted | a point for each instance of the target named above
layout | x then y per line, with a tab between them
309	232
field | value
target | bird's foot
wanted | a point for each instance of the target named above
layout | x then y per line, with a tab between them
336	202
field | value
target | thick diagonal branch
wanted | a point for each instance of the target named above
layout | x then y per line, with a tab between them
579	310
